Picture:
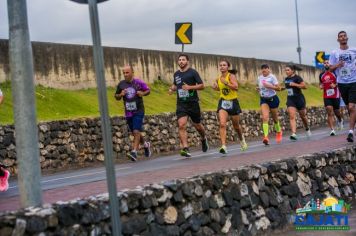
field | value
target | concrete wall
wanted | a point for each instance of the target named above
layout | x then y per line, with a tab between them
71	66
246	201
73	143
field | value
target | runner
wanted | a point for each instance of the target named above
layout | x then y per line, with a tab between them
4	174
331	97
186	82
228	104
343	63
295	100
269	101
132	89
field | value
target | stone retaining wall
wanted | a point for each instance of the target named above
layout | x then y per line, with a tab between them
246	201
73	143
69	66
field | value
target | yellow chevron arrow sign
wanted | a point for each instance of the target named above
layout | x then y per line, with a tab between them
184	33
320	56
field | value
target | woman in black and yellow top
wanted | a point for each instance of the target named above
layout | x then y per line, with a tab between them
228	104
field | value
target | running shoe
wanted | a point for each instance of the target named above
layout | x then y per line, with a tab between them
185	152
332	133
308	132
204	145
350	138
244	145
4	183
340	124
132	155
293	137
265	141
223	149
279	137
147	148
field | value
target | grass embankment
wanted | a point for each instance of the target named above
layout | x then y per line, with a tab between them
57	104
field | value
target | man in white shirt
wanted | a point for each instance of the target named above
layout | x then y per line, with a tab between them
343	63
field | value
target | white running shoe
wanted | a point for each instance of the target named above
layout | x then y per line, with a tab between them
308	133
340	124
332	133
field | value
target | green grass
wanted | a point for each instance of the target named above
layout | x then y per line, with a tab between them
58	104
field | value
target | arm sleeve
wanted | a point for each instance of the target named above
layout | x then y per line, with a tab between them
299	79
320	76
174	81
144	86
275	80
197	77
118	89
332	58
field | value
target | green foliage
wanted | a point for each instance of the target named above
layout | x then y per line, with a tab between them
58	104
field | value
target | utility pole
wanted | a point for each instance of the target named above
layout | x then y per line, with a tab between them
104	115
23	95
299	49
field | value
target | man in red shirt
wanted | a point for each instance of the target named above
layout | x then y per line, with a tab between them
331	97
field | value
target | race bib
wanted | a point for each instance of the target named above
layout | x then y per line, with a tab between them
290	92
183	93
227	105
345	72
131	106
330	92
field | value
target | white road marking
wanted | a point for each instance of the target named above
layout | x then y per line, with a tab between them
74	176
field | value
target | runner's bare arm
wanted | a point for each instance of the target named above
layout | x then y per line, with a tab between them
215	85
233	82
172	89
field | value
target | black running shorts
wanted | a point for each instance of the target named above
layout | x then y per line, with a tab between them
333	102
190	109
296	101
348	92
232	107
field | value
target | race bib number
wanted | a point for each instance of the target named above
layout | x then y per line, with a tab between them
131	106
227	105
290	92
183	93
345	72
330	92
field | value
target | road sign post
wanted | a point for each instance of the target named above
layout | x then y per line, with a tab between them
23	94
104	114
183	33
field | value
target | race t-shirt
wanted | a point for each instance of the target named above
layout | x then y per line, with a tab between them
267	92
327	78
188	77
347	73
133	103
291	90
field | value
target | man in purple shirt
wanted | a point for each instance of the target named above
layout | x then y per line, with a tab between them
132	90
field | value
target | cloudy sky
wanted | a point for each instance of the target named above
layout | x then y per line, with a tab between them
263	29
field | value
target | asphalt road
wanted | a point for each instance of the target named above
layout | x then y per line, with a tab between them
72	184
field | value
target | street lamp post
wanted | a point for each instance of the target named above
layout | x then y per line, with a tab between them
23	94
299	49
104	114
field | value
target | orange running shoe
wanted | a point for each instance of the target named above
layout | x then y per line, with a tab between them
266	140
279	137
